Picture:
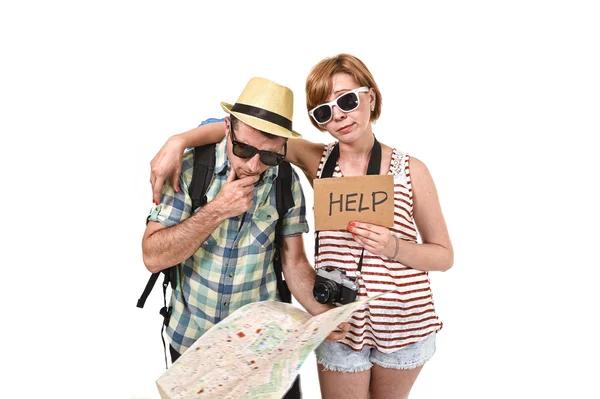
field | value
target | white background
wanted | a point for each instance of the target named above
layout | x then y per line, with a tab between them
501	101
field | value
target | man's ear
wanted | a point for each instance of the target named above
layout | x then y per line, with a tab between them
227	122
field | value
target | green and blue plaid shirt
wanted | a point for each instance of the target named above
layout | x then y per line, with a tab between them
234	266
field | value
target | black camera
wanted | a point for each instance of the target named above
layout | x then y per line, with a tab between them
333	287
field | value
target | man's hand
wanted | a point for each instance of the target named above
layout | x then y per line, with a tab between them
337	335
235	197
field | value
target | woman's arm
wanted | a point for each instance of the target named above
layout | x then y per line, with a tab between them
167	162
306	155
435	253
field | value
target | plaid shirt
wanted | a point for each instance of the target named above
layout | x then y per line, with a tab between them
234	266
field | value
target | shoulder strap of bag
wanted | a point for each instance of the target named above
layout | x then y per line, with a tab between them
204	168
284	201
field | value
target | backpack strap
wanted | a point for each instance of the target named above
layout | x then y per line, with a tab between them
149	285
284	201
204	169
170	277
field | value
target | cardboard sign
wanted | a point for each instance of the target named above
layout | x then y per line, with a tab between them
339	201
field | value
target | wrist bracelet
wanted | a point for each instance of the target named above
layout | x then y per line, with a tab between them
397	247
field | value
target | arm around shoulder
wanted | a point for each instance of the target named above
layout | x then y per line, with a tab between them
207	133
306	155
167	162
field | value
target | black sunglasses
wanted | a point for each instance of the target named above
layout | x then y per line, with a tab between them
246	151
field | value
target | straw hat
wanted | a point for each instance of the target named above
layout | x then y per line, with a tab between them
266	106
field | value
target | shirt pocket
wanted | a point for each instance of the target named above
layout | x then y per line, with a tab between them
264	222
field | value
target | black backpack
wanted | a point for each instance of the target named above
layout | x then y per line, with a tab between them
204	168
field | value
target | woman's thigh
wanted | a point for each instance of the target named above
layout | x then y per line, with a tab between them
392	383
343	373
393	374
343	385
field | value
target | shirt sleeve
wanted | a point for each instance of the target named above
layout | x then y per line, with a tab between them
294	221
174	206
211	120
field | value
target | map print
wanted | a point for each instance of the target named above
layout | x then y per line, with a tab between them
256	352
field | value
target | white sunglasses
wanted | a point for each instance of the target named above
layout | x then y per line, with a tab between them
347	102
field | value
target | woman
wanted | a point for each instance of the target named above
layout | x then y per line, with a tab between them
391	338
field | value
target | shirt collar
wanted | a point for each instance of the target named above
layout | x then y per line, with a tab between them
221	160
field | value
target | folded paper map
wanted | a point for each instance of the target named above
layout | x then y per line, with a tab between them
256	352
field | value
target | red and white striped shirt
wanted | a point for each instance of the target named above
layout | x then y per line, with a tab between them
397	319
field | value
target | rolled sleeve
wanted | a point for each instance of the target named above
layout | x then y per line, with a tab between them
294	221
174	206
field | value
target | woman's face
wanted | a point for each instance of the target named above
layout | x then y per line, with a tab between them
347	127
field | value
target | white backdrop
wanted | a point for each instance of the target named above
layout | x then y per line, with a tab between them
501	101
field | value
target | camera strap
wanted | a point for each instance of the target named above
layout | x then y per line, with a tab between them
372	169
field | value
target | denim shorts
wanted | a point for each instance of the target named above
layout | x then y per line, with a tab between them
339	357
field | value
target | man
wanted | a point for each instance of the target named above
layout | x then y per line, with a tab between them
226	247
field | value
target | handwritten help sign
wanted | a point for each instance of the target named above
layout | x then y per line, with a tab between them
341	200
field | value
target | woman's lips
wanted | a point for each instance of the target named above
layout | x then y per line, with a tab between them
346	129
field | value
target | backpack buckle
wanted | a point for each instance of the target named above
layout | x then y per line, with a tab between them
165	312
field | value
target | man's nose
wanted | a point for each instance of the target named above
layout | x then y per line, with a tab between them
254	163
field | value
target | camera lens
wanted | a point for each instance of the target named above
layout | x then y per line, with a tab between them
325	292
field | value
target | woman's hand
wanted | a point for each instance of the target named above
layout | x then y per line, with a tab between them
167	162
377	240
338	334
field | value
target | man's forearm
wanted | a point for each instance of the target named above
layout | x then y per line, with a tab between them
300	279
170	246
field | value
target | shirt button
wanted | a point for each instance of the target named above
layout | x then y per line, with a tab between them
225	303
230	274
268	216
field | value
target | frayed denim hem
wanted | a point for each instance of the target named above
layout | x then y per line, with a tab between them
409	366
329	367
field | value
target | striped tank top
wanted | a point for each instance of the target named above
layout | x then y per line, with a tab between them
398	319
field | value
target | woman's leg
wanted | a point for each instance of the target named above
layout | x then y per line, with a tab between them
343	385
343	372
393	374
391	383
